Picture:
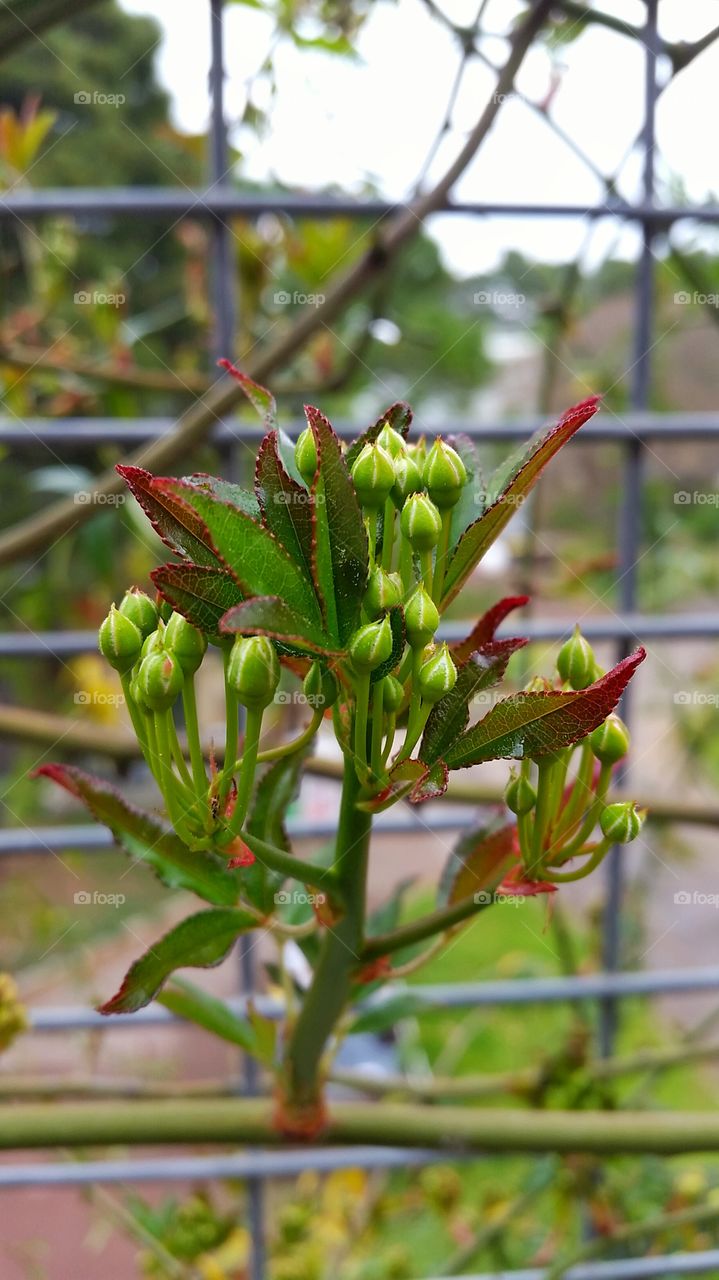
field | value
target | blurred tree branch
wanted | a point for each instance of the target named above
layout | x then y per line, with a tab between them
28	18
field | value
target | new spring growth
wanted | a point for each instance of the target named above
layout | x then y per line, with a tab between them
610	742
383	591
421	618
159	681
391	441
576	663
373	476
437	676
306	455
407	479
445	474
370	646
520	796
253	671
155	642
320	687
392	694
120	641
140	609
621	822
421	522
185	643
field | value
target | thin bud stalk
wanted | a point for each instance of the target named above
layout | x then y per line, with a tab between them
232	730
580	794
246	776
598	853
362	687
388	535
425	559
593	812
441	554
192	729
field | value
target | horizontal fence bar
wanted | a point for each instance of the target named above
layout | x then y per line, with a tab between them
458	995
669	1264
213	201
88	432
632	626
255	1164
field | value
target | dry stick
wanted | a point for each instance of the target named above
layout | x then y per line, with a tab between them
34	535
186	381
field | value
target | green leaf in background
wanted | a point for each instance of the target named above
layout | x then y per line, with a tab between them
508	488
195	1005
146	839
478	864
270	616
383	1015
531	724
473	498
199	942
450	716
180	528
253	555
398	416
201	594
259	397
341	554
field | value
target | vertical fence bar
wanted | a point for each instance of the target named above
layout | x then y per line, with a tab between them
630	519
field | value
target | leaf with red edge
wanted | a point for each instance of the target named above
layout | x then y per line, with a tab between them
203	595
147	840
201	941
287	506
226	491
508	489
517	884
402	778
270	616
254	556
340	558
484	630
478	864
450	716
528	725
259	397
180	528
473	498
432	785
398	416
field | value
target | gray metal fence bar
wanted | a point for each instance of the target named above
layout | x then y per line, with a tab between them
676	1264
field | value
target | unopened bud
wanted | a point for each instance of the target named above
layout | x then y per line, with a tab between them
370	646
392	694
610	741
520	796
140	609
320	687
159	681
438	675
421	618
445	474
407	479
575	661
621	822
185	643
155	642
120	641
373	476
253	671
420	522
306	455
391	441
383	591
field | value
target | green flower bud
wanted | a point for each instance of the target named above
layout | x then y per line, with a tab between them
421	618
392	694
306	455
621	822
185	643
391	441
418	451
420	522
253	671
373	476
610	742
155	642
520	796
370	646
120	641
445	474
320	687
575	661
140	609
438	675
407	479
383	590
159	681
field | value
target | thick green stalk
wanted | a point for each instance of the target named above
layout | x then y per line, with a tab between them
376	750
339	958
362	688
426	927
440	559
246	778
276	859
192	729
232	731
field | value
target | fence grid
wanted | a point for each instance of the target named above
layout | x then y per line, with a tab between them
641	426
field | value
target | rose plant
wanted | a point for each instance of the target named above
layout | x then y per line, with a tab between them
338	566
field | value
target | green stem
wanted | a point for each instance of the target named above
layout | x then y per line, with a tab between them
178	756
246	776
172	788
232	732
192	729
376	751
415	724
287	748
389	741
296	868
544	809
362	687
439	921
137	716
564	877
371	527
339	957
406	565
590	821
440	559
388	534
581	792
425	559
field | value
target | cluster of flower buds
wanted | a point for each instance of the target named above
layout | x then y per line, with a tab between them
561	799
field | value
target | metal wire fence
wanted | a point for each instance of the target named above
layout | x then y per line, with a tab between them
639	428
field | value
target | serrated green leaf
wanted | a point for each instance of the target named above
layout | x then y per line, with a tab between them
177	524
529	725
473	498
341	554
201	594
195	1005
270	616
478	864
201	941
286	505
398	416
226	491
146	840
507	490
259	397
450	716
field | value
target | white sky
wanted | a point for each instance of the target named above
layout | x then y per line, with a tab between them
344	123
